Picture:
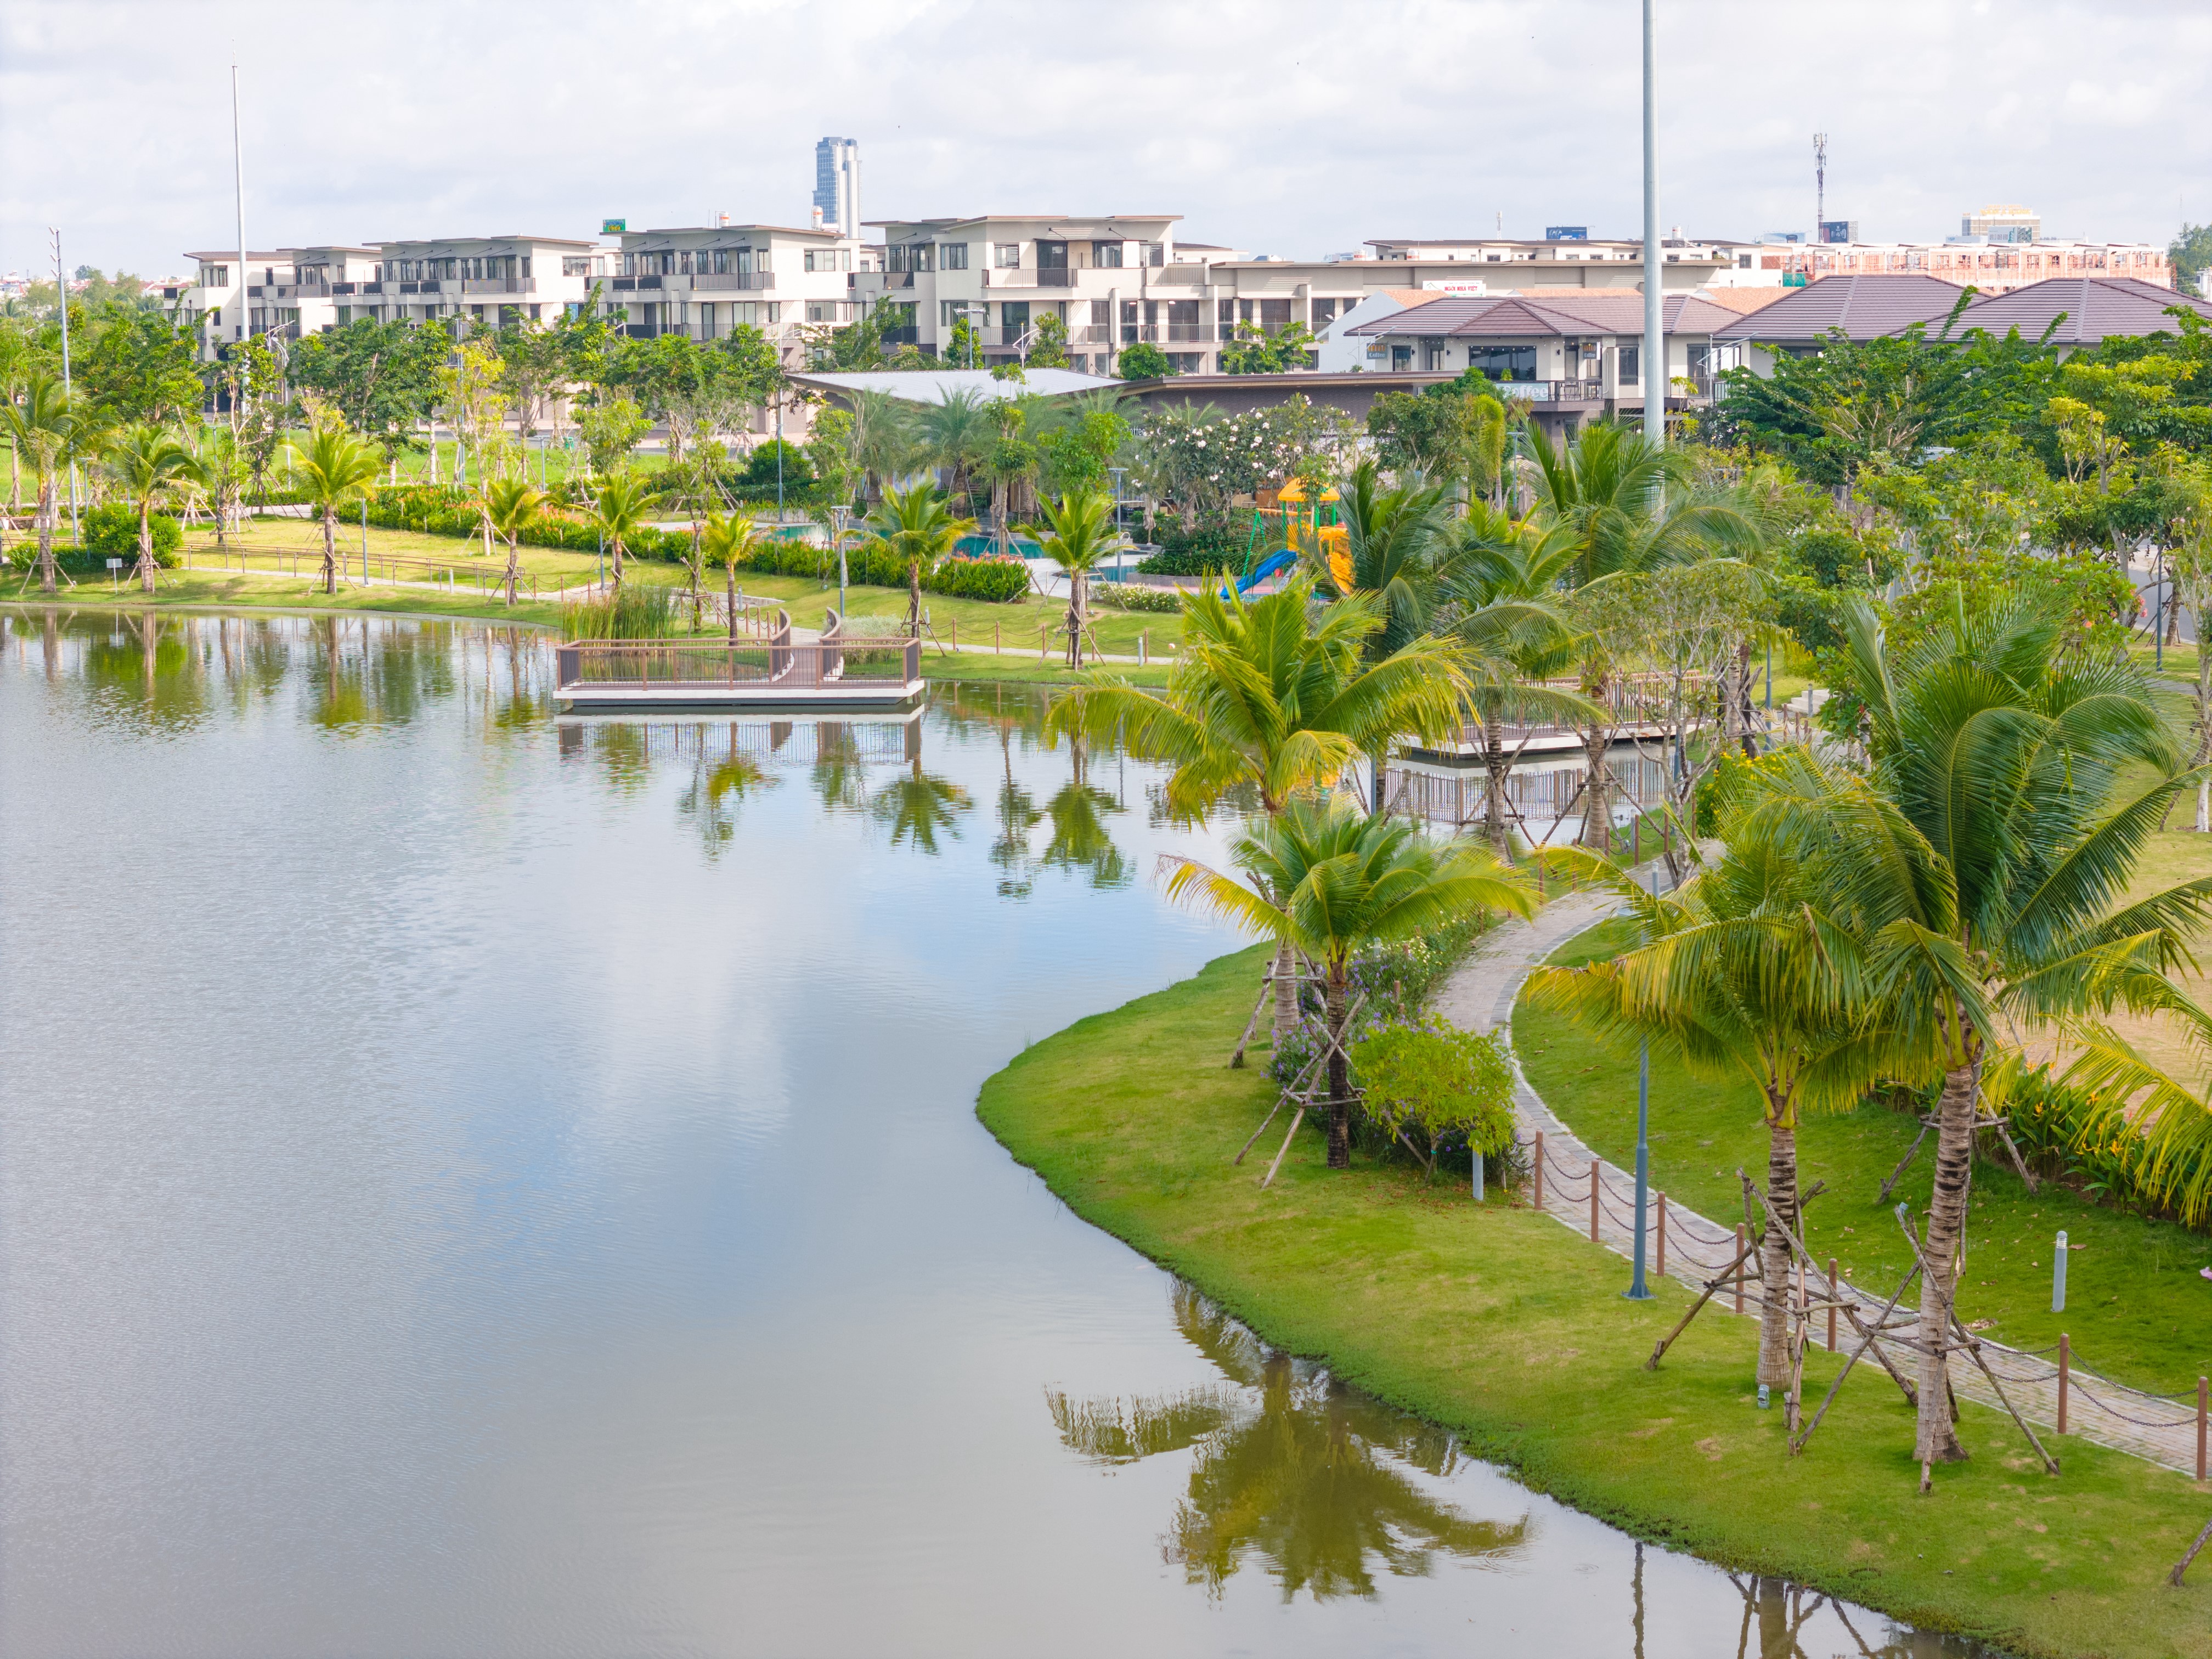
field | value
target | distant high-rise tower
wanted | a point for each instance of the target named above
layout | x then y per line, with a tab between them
837	184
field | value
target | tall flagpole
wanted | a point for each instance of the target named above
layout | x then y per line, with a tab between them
61	295
1654	259
238	178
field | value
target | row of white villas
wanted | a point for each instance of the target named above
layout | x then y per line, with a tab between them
702	281
1120	279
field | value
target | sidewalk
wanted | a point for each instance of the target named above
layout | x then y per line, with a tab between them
1479	997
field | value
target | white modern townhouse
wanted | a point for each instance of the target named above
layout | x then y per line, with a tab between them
705	281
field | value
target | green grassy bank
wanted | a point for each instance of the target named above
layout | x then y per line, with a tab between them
1504	1327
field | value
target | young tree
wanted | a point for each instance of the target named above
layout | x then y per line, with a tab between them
915	527
1048	347
956	434
382	377
1076	532
1331	881
1143	361
334	468
610	429
147	466
618	511
44	425
513	505
1253	352
727	541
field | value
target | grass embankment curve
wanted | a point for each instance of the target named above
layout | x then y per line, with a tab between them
1504	1327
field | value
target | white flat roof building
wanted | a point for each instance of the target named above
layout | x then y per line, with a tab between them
706	280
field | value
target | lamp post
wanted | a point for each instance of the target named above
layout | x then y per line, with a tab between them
1655	259
1638	1291
837	516
61	305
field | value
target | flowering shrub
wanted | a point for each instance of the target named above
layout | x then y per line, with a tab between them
1239	454
1436	1083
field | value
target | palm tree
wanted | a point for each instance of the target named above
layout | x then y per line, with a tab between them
148	463
1330	881
513	505
226	470
1076	532
915	527
2006	754
957	434
883	438
1746	976
43	426
618	512
1628	504
726	542
1271	696
1393	541
335	467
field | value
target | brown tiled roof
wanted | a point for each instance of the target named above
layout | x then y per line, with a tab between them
1862	308
1585	311
1744	301
2093	308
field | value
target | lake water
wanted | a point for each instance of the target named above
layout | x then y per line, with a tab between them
474	1182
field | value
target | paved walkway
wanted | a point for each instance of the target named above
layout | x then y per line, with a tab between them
1481	995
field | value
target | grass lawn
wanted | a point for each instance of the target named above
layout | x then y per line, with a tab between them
1506	1327
2136	1309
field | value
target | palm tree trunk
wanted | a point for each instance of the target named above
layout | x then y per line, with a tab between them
914	600
330	550
512	573
615	567
1339	1077
1774	1253
1937	1442
1075	619
46	534
730	597
1495	766
145	550
1287	994
1597	793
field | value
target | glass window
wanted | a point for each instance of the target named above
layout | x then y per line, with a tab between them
1007	256
1106	256
953	255
806	259
1101	313
1014	316
1631	364
1227	313
1503	363
574	265
1151	253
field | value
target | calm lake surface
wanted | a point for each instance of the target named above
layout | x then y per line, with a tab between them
476	1182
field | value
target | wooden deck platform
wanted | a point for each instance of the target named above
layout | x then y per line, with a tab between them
772	671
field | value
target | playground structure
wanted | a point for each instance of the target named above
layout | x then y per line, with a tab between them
1277	532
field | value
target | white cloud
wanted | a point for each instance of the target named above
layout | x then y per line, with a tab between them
1291	127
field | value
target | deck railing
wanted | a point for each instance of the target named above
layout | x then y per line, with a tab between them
775	659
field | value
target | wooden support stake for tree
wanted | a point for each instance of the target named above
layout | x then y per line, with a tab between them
2200	1427
2065	1370
1293	1091
1297	1118
1974	1351
1911	1152
1867	1341
1683	1324
1267	994
2182	1565
1834	1291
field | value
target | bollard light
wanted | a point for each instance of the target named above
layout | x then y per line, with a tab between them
2058	1275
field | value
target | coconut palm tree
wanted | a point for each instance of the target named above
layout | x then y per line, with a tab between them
1394	542
334	468
916	528
727	541
148	465
618	512
1628	504
1746	976
2008	754
919	806
1330	881
43	424
1078	532
1275	696
956	434
883	438
514	504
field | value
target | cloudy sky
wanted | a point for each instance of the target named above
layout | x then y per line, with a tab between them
1287	127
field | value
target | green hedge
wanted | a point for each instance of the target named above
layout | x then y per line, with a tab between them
997	581
432	510
1207	550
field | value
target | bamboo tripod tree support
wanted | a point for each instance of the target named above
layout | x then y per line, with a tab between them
1728	1277
1300	1089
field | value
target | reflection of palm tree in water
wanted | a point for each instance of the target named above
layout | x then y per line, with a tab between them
1079	839
919	807
1018	815
718	783
839	780
1291	1466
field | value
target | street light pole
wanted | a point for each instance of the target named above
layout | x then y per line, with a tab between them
1638	1291
1654	259
61	304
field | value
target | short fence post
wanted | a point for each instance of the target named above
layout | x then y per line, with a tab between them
1593	1193
1539	1165
1636	837
1833	1294
2065	1365
1739	1266
1663	1236
2200	1427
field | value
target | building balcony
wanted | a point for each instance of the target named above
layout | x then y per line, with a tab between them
499	285
1055	276
290	291
759	281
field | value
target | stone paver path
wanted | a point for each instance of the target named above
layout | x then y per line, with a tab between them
1480	996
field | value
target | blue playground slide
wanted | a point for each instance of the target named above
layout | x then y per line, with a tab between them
1281	559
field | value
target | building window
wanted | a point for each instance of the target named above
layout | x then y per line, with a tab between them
1632	365
1007	256
1151	253
1014	317
909	255
573	265
1106	256
1503	363
953	255
1226	315
1326	311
